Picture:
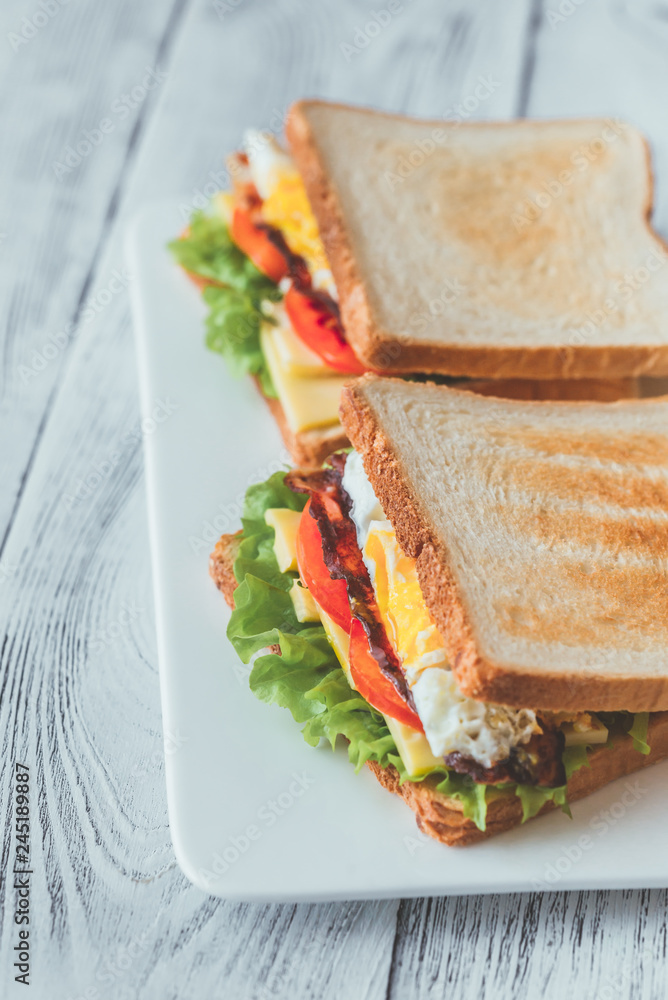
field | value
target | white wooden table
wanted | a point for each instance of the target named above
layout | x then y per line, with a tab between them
152	95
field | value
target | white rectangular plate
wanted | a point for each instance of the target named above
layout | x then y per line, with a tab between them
255	813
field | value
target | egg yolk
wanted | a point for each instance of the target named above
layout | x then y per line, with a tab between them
401	604
288	209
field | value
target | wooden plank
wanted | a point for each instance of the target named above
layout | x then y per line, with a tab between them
591	58
604	944
606	58
79	692
82	78
456	48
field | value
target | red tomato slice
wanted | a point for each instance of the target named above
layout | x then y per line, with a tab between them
255	243
331	595
320	329
372	683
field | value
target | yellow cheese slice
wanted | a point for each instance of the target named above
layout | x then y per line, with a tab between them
412	745
575	735
413	748
223	202
339	641
294	355
305	607
307	401
285	524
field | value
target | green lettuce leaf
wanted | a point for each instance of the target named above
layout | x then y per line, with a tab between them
636	725
235	306
307	678
208	250
574	758
638	731
533	798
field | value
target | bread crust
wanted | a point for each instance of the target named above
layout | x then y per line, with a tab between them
221	565
387	353
308	449
565	362
440	816
221	571
477	676
602	390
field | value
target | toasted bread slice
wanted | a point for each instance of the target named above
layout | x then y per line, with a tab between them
540	531
441	816
490	250
309	449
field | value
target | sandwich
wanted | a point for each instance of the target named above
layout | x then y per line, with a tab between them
518	252
520	249
473	596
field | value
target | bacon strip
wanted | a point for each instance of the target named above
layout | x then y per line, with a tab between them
297	266
537	762
330	506
247	197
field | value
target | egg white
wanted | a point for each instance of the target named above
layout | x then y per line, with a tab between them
452	722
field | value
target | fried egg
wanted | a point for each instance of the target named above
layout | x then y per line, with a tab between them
285	204
452	722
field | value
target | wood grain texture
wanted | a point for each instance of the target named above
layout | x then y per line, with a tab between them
79	700
60	80
600	57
